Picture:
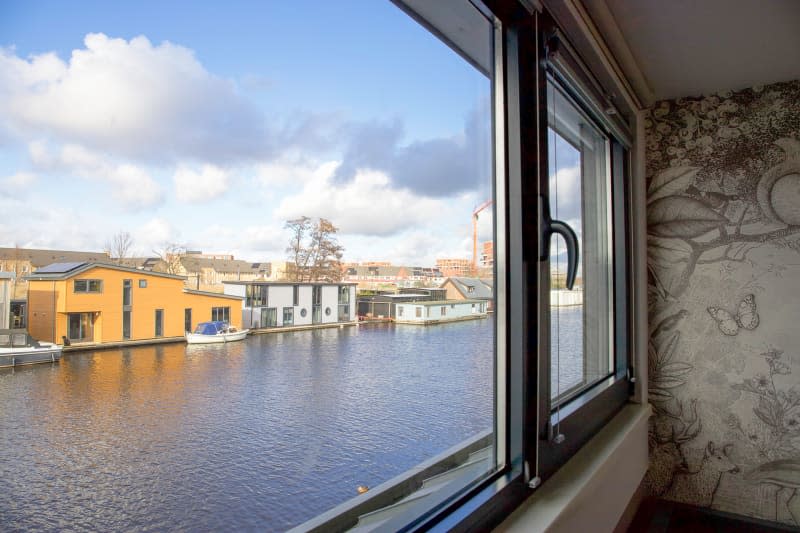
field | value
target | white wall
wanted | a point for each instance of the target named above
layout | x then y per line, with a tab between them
5	302
281	296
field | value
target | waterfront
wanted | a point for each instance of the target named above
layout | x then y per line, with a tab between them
260	434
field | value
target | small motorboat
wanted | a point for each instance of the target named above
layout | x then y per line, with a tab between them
19	348
216	331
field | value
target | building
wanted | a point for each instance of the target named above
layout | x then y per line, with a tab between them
103	303
5	299
23	261
460	288
209	273
384	276
487	254
454	267
383	305
270	304
439	311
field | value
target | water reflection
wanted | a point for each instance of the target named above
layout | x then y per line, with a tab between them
260	434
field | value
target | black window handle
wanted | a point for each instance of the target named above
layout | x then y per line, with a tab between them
550	226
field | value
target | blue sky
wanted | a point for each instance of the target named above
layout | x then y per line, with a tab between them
208	125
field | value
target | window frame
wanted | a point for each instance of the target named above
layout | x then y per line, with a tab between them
87	282
521	436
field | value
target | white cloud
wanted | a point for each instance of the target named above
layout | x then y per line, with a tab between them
17	184
209	183
367	205
130	99
153	235
565	192
292	170
131	185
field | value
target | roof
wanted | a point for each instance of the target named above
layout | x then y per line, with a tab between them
481	290
383	271
230	266
208	293
442	302
40	258
257	282
59	271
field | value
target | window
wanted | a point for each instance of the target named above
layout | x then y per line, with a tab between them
88	285
80	327
344	303
142	283
256	295
127	292
159	322
222	314
430	171
187	320
316	304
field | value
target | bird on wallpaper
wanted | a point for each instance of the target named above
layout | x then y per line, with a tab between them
669	323
745	317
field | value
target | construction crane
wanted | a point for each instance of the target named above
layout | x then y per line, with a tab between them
475	213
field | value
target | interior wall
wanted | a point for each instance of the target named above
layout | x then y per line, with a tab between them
723	197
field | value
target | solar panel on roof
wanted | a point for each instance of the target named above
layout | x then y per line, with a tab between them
60	268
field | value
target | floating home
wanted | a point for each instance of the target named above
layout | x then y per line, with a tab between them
92	304
436	312
273	304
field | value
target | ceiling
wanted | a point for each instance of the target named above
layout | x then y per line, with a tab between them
694	47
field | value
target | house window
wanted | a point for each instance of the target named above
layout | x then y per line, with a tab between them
288	316
88	285
418	312
344	303
142	283
159	320
399	310
80	327
222	314
443	311
295	295
187	320
127	292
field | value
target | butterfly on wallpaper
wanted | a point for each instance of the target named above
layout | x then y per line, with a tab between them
746	316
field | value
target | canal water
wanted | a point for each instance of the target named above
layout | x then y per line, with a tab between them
255	435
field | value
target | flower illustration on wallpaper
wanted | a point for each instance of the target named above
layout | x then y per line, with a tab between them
777	410
688	226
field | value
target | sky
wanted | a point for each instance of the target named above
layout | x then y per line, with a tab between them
209	124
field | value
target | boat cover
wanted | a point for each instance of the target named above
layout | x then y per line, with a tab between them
210	328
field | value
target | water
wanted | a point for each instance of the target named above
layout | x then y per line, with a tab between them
257	435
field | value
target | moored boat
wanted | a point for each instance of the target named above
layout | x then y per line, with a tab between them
19	348
214	332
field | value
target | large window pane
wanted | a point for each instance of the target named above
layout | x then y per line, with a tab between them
581	319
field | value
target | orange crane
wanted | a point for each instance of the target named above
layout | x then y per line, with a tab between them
475	213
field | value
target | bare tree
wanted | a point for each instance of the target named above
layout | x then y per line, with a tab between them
314	249
170	255
326	252
119	247
297	251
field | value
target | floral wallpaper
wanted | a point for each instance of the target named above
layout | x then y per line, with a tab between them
723	204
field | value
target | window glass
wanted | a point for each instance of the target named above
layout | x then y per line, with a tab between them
201	132
581	319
